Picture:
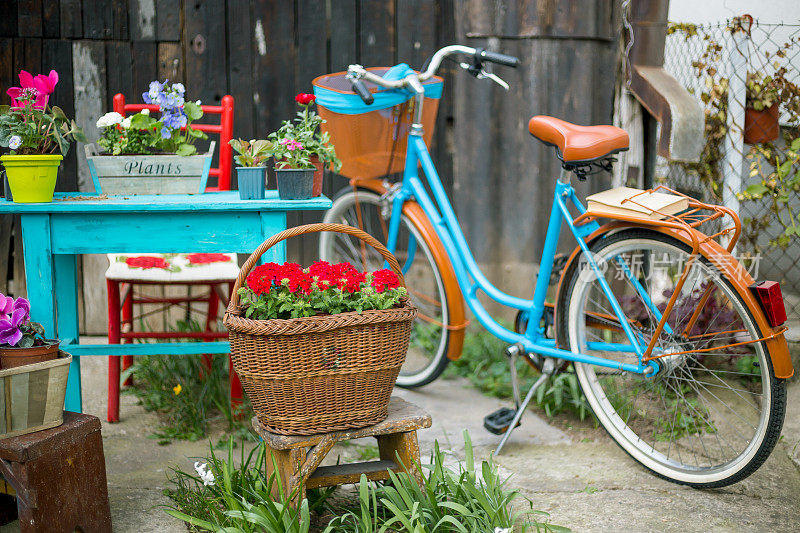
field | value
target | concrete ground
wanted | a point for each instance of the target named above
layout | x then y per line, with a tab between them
572	471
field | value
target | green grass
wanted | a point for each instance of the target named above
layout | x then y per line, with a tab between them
189	397
465	497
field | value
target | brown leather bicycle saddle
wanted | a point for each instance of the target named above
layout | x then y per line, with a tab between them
578	144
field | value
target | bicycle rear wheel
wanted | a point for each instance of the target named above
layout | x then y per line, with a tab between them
713	412
427	353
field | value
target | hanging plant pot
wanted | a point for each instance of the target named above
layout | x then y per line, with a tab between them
319	174
12	357
252	182
761	126
32	178
295	183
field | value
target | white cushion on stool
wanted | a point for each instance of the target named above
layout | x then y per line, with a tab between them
181	270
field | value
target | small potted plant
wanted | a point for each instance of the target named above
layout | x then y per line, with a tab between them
141	154
761	109
22	342
305	130
251	172
37	136
293	169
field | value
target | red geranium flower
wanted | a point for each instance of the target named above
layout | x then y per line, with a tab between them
146	261
305	98
384	279
203	259
261	277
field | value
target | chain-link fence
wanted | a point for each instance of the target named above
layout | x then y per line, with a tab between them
746	74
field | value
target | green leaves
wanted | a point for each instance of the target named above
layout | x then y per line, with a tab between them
192	110
186	149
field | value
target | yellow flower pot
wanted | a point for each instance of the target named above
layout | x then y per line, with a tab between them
32	178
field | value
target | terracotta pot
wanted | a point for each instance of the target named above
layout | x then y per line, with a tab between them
318	175
14	357
761	126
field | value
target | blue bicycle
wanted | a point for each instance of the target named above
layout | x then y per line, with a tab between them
680	355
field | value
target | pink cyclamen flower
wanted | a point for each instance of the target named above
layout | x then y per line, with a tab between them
46	84
37	89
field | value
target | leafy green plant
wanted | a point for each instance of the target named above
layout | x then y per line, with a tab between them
235	498
253	153
187	394
461	498
301	138
29	126
761	91
777	167
142	134
779	173
466	498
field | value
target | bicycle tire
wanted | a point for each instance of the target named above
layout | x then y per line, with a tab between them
416	372
706	408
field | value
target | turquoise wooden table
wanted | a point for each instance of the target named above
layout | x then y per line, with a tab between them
55	233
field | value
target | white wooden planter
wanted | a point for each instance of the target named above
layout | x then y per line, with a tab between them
148	174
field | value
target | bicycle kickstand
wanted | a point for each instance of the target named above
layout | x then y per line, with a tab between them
549	367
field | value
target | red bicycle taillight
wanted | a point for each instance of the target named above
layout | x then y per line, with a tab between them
771	300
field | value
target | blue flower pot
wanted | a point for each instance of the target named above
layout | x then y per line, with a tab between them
295	183
252	182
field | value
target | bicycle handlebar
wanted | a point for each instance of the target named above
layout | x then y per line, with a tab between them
357	73
495	57
361	90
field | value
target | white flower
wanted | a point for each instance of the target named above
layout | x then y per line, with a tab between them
109	119
14	142
502	530
126	122
206	475
145	111
198	102
178	87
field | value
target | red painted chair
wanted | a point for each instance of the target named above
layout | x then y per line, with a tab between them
218	279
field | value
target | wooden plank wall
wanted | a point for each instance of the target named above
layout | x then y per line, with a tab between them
568	53
263	52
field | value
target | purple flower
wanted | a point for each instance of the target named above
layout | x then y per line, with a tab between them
10	332
6	305
21	304
166	133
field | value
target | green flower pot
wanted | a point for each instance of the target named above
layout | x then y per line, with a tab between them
32	178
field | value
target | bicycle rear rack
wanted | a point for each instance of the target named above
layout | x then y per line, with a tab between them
699	214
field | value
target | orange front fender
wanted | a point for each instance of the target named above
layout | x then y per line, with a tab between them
740	279
456	309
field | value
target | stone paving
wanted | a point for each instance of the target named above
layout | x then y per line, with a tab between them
572	471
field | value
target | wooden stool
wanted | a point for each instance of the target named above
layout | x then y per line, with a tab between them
59	476
298	456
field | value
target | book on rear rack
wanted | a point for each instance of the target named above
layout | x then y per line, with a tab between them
630	202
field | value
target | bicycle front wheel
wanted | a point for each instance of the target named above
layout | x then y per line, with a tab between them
427	353
713	412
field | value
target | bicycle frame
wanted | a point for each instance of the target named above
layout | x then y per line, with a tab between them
471	279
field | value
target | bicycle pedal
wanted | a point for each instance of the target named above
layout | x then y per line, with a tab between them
498	421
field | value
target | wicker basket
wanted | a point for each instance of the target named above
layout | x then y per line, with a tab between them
321	373
32	396
373	144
